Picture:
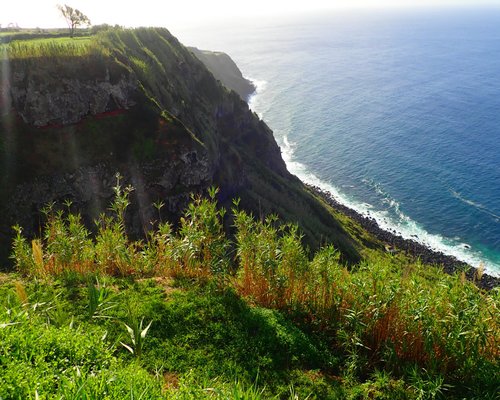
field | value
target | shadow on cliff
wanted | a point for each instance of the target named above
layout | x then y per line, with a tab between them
151	111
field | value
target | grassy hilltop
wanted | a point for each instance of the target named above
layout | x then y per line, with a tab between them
254	292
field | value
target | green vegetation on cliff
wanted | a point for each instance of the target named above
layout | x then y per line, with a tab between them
275	295
225	70
189	314
138	102
51	47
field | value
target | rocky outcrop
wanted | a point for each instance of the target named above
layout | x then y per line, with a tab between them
66	92
225	70
90	190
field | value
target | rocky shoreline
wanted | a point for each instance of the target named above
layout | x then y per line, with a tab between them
395	242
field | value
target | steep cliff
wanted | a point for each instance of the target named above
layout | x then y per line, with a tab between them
141	104
225	70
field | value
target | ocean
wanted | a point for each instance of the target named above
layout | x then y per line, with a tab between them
396	113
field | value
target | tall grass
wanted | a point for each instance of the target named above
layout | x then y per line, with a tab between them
199	249
380	313
386	313
51	48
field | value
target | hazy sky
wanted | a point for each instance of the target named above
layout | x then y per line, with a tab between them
178	13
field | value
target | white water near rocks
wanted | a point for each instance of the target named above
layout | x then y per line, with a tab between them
397	115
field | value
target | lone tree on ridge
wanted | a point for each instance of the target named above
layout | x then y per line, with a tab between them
73	17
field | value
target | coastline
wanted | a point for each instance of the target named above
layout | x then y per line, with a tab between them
450	264
393	241
225	70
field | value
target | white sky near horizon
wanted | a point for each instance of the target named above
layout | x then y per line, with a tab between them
184	13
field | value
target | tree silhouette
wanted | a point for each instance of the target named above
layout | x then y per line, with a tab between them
73	17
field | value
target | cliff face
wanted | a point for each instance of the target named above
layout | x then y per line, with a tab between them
147	108
65	91
225	70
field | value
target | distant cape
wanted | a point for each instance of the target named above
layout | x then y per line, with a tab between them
224	69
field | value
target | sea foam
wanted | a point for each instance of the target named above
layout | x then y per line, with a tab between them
402	225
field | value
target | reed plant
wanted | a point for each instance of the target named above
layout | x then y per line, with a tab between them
379	313
388	313
201	247
273	263
22	254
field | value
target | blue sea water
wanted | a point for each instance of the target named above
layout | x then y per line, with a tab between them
397	113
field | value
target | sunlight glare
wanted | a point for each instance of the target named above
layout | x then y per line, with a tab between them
44	13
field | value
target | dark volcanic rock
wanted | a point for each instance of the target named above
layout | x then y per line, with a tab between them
396	242
64	93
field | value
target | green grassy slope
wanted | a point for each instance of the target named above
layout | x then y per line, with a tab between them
191	315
